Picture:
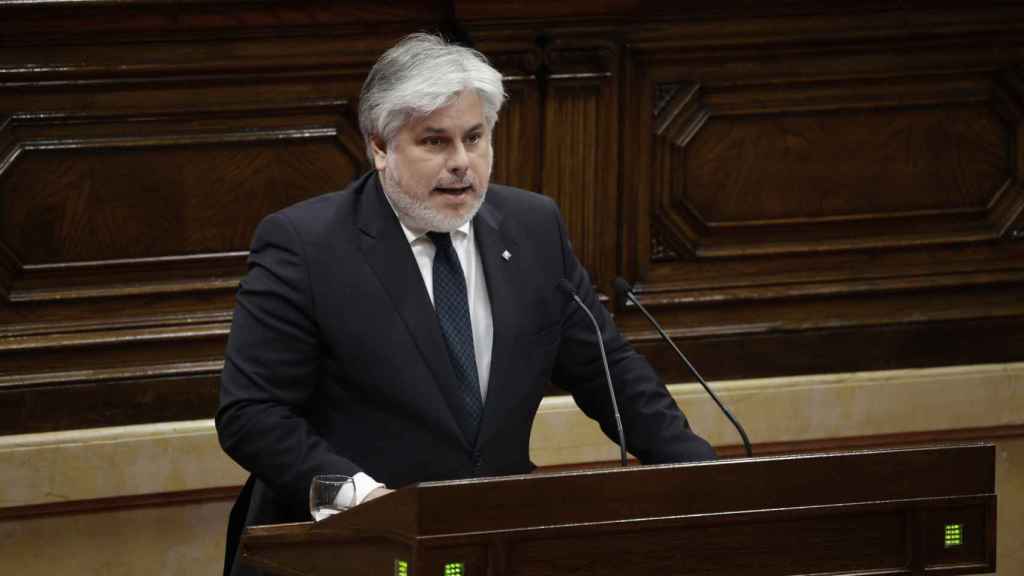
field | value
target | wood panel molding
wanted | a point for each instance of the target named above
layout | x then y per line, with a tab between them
563	97
851	190
725	169
48	22
795	188
94	237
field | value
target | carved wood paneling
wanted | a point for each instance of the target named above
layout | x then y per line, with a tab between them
573	175
580	150
100	206
660	251
50	22
516	144
795	188
96	401
135	161
935	166
804	204
558	134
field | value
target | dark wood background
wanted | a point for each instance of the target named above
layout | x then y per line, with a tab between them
794	187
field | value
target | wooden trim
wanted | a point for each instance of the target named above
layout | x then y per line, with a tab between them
118	503
96	376
836	444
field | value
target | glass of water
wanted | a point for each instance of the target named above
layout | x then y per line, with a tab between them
330	494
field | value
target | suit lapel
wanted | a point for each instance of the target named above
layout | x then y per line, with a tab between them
493	240
388	253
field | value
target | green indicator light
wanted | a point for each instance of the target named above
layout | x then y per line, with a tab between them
455	569
954	535
401	568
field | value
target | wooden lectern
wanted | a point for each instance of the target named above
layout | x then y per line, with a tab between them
908	511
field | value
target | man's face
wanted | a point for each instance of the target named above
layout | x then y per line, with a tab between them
436	169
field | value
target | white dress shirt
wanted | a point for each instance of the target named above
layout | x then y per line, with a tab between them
479	312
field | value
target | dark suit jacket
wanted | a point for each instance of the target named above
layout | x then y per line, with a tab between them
336	362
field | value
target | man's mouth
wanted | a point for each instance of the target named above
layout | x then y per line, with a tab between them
455	191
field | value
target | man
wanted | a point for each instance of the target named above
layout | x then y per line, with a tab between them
403	330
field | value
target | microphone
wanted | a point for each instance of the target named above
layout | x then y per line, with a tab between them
623	290
566	287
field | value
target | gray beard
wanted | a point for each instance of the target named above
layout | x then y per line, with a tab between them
417	214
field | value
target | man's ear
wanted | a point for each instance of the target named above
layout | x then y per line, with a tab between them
380	152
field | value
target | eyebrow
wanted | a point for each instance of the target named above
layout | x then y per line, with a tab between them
432	130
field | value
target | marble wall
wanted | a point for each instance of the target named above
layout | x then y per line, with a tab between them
185	539
154	499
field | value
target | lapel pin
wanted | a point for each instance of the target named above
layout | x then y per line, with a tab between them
506	255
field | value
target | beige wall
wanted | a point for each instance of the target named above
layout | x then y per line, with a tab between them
48	470
186	539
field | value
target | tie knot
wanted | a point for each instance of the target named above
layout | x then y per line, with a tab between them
442	240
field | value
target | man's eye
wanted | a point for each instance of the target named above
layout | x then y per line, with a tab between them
433	141
474	139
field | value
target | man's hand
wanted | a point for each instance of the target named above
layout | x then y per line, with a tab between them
377	493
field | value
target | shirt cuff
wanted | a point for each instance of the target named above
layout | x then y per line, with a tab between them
364	485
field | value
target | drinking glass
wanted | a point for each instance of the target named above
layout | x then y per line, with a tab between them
330	494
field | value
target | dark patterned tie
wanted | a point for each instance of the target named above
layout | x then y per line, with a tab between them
452	308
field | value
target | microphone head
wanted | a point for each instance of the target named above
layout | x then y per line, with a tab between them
622	289
566	287
621	286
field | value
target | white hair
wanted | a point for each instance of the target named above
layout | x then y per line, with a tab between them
417	76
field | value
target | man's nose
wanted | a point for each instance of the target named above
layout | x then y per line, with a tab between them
458	159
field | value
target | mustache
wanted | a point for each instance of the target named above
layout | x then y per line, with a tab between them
463	182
